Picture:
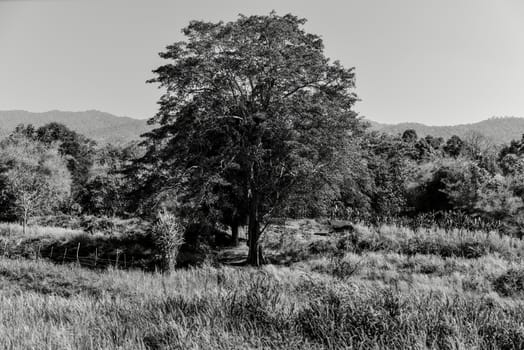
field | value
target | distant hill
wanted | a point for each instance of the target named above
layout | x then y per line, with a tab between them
498	129
99	126
108	128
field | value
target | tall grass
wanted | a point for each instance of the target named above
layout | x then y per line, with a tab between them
243	308
15	230
385	288
96	250
298	245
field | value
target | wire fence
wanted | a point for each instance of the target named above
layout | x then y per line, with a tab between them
120	260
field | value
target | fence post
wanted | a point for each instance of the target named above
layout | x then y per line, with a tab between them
125	261
96	255
77	250
116	261
65	253
51	255
38	253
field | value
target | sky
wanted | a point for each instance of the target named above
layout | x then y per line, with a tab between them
434	62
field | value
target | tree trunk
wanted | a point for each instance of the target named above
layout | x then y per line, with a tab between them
234	233
254	257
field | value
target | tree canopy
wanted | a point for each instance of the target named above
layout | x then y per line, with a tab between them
252	109
34	178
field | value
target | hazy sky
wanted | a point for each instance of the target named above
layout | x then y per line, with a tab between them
435	62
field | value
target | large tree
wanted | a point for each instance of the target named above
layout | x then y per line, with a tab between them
251	110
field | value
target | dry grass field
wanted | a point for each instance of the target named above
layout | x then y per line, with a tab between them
386	288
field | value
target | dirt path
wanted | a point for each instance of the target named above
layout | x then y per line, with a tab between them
233	255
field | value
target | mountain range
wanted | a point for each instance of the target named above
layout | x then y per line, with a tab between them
108	128
99	126
499	129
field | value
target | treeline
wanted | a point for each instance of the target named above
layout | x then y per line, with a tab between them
408	176
53	170
411	179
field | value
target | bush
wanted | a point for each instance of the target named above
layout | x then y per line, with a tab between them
510	283
339	268
322	247
60	220
92	224
112	225
168	235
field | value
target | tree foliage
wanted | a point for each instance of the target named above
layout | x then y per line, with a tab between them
252	109
34	177
75	148
454	146
108	189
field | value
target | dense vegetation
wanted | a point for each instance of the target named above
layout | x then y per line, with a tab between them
410	241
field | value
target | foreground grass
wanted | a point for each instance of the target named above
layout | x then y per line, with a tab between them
387	288
65	307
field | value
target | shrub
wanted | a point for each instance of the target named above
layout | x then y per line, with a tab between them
92	224
341	268
446	249
474	250
510	283
59	220
168	235
322	247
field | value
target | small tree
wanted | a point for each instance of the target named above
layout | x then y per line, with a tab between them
434	142
454	146
497	200
103	195
387	160
77	150
409	135
462	180
34	176
106	190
